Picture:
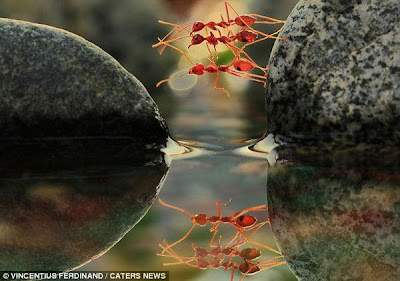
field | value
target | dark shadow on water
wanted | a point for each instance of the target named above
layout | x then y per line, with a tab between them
65	202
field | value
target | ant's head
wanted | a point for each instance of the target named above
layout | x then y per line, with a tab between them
197	26
246	221
198	69
196	40
200	219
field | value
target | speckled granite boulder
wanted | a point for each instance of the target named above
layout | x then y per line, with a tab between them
337	221
56	84
338	78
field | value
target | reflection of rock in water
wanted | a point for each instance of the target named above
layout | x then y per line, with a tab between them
61	213
337	221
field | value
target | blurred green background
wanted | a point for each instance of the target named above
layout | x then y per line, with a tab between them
126	29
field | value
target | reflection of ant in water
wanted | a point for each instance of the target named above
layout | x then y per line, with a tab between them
248	266
245	254
241	67
239	220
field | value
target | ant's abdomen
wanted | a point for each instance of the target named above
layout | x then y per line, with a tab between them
246	221
245	20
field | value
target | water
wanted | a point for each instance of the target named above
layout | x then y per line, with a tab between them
197	178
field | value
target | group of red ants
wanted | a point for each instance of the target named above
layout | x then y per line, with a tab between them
229	256
242	63
218	256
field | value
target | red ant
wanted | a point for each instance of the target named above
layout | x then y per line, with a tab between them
239	220
242	21
244	36
241	66
245	254
247	267
201	253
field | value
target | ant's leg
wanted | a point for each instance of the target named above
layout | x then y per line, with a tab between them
214	229
162	82
263	246
268	22
270	36
180	240
226	22
255	209
249	239
177	29
263	268
240	51
174	255
267	18
171	256
171	252
247	76
233	273
227	11
174	207
180	261
253	63
249	27
219	88
272	260
233	239
215	49
180	51
250	270
177	26
211	59
161	42
219	203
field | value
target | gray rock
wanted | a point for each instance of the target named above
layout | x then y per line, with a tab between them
338	220
338	78
56	84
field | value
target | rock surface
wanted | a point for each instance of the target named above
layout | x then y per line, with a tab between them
335	220
56	84
338	78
